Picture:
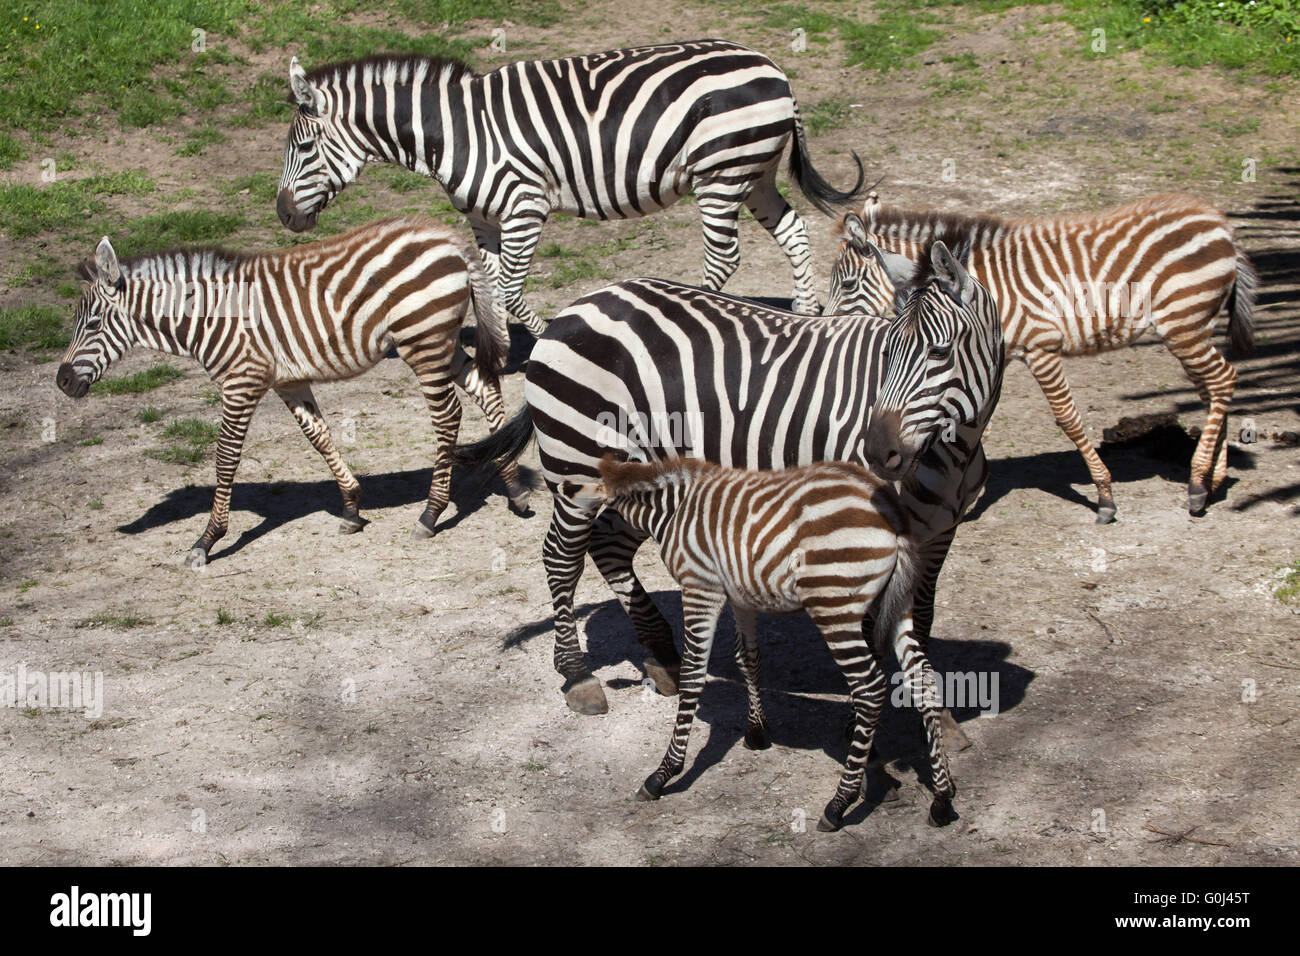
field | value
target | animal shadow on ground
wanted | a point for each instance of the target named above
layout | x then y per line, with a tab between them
796	665
278	503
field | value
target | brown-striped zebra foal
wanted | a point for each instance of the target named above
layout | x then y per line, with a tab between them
1081	284
828	538
313	313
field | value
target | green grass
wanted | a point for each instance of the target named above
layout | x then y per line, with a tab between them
276	620
261	187
34	327
10	151
165	229
827	115
116	622
224	617
197	143
1289	591
189	440
148	415
26	210
138	382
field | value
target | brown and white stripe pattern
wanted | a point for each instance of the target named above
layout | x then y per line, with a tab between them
1086	283
828	538
315	313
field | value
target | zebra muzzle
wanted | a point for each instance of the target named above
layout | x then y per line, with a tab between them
293	217
70	383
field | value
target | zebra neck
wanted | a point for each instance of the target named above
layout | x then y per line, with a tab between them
411	133
651	511
177	315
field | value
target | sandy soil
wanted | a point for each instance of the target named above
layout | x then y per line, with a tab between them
383	699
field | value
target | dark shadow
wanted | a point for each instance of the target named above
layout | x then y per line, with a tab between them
278	503
795	664
521	346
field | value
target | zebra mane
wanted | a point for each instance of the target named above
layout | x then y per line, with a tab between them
631	477
183	263
404	65
959	246
926	225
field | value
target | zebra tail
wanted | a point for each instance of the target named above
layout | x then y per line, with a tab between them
491	337
1241	308
819	192
897	598
499	448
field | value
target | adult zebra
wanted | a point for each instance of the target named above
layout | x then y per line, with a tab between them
612	135
315	313
1081	284
651	369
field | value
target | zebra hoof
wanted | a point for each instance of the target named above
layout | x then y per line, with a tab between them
1196	502
351	525
424	528
197	558
1106	513
830	821
756	738
519	505
664	677
587	697
651	789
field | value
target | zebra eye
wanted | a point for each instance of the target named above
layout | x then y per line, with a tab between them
940	352
849	283
93	323
305	147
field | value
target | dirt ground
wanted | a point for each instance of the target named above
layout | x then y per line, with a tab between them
315	698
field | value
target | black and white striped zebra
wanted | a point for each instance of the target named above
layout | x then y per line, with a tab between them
828	538
650	369
612	135
281	320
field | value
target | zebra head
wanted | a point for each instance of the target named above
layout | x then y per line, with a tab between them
859	285
319	158
102	329
942	358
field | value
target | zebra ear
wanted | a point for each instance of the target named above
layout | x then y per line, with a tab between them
107	270
855	233
952	276
304	94
898	267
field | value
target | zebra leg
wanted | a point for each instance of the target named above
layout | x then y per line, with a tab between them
747	660
487	395
925	695
432	364
488	238
1215	380
519	235
701	609
302	403
840	625
779	218
931	556
614	544
238	402
1048	370
564	552
720	213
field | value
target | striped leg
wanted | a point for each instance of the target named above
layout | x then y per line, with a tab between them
238	402
748	661
306	410
614	544
487	394
1215	380
720	204
488	238
519	235
925	695
700	610
1047	369
777	217
432	365
841	625
931	557
564	552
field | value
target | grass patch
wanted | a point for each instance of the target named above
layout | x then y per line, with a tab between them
1288	592
33	327
190	439
276	620
148	415
166	229
10	151
198	141
224	617
115	622
26	210
261	186
138	382
827	115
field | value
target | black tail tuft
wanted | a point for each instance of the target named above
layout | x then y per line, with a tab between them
819	192
501	447
1241	306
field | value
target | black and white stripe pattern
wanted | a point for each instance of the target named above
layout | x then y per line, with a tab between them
650	370
282	320
828	538
612	135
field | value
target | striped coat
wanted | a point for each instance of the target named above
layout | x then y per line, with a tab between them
283	320
611	135
1081	284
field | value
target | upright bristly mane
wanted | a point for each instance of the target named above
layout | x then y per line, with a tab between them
926	225
633	477
193	262
404	65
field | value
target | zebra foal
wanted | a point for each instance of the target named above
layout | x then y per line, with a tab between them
828	538
283	320
1082	284
613	135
